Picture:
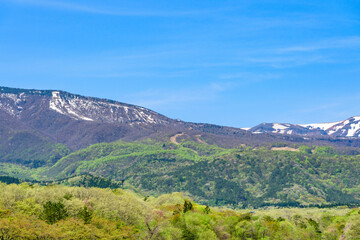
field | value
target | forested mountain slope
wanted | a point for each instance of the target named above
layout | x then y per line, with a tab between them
239	177
50	135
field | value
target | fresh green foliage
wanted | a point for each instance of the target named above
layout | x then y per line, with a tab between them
92	213
240	177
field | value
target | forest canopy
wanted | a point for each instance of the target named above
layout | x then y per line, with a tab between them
61	212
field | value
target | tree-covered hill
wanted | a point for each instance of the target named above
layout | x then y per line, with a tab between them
238	177
85	180
61	212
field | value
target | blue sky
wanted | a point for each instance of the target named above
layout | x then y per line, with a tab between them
235	63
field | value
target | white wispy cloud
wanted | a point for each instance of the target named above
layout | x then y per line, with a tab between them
320	107
317	52
276	61
70	6
57	5
341	105
346	42
163	97
249	77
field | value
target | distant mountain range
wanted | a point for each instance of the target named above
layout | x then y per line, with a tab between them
50	135
346	128
78	121
58	117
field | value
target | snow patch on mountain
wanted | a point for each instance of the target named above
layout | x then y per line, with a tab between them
11	103
280	128
90	109
322	126
347	128
354	128
64	107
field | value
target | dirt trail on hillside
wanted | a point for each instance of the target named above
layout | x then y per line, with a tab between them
285	149
199	140
173	139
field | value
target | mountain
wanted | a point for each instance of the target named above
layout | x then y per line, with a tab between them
286	128
58	117
54	117
346	128
51	135
74	120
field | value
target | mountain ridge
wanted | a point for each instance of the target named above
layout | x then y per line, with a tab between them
53	134
79	121
76	121
346	128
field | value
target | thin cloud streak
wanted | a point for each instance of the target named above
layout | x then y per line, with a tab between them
289	62
251	77
59	5
319	52
331	105
160	98
348	42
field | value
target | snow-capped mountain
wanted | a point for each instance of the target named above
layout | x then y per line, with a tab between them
346	128
78	121
78	107
286	128
75	120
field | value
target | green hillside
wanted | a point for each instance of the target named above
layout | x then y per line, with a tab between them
239	177
60	212
28	149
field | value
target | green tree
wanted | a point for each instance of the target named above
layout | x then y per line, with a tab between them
54	211
187	206
86	214
207	209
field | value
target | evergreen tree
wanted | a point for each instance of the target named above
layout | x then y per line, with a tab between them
86	214
54	211
187	206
